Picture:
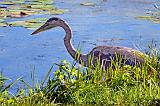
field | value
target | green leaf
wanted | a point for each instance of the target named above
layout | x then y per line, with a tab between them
10	101
153	18
2	20
11	84
7	3
46	77
2	24
37	20
144	17
23	8
17	23
29	24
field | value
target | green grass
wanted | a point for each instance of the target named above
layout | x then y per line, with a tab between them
76	85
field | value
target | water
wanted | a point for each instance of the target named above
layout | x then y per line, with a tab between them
21	53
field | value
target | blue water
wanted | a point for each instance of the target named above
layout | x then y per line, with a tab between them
21	53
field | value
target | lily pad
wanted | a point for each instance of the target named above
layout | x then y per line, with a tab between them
20	11
3	24
17	23
7	3
23	8
2	20
40	1
37	20
88	4
150	18
41	6
29	24
156	20
33	26
18	1
55	11
17	14
144	17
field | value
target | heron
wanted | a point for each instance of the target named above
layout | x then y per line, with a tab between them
105	54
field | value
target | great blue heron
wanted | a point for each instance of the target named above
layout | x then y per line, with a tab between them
103	53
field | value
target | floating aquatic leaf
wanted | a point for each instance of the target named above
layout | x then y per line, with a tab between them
37	20
3	24
23	8
40	1
17	14
1	20
22	12
7	3
18	1
17	23
30	24
33	26
55	11
12	2
144	17
88	4
150	18
34	23
41	6
156	20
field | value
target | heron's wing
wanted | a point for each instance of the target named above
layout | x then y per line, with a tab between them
128	53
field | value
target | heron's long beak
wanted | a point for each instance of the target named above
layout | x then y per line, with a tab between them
41	29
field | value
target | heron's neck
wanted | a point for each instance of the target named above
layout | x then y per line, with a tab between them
67	42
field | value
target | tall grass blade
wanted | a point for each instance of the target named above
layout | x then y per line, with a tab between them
28	86
46	77
11	84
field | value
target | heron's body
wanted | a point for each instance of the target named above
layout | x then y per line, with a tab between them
106	54
103	53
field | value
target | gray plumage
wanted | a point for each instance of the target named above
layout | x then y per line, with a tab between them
103	53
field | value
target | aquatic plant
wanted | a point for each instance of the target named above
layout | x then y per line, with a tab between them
153	16
25	8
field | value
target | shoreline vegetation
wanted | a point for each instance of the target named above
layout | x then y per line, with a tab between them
76	85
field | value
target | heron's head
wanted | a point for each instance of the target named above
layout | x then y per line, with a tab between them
50	23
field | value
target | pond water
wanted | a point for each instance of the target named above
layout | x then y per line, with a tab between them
108	22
